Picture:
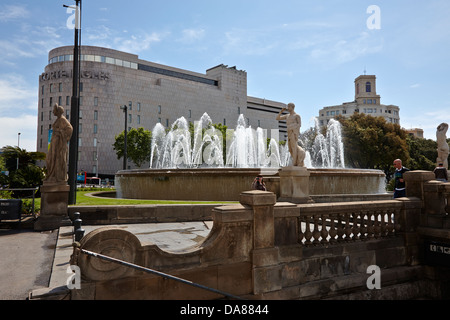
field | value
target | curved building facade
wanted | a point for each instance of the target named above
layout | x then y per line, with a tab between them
153	93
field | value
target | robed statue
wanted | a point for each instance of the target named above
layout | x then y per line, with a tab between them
58	151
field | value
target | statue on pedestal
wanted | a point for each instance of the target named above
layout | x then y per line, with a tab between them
442	145
55	191
58	151
294	123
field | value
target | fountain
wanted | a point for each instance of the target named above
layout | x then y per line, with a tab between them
192	166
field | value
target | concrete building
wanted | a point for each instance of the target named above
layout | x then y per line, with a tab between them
415	132
153	93
366	101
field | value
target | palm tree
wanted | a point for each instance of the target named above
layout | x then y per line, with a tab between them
23	171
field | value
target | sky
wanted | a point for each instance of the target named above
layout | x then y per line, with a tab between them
306	52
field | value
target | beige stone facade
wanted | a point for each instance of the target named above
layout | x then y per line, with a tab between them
366	101
153	93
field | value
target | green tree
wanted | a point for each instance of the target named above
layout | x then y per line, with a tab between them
423	153
372	143
138	145
28	174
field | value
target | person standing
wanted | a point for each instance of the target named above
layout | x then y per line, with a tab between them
400	185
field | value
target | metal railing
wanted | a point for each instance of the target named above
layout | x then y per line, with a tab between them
158	273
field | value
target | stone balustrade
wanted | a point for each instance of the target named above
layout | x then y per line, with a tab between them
264	249
344	222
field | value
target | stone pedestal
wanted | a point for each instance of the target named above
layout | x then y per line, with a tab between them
54	202
294	185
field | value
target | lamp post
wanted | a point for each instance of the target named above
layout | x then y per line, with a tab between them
18	149
125	110
96	158
74	110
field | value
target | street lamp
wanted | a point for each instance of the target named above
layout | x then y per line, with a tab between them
125	110
18	149
75	109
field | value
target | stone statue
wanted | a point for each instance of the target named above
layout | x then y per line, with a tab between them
442	145
58	151
294	123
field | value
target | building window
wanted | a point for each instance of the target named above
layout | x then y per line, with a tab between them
95	101
51	101
138	119
60	100
129	118
67	100
81	86
239	110
159	110
95	115
130	105
60	87
138	106
95	128
224	121
368	87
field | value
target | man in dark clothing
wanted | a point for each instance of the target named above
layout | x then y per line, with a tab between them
400	186
440	172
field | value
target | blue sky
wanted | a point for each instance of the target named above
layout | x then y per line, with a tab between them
306	52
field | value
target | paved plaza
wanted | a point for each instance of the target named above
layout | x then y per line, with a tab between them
33	261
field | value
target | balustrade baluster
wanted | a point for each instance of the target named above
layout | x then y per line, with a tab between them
397	221
370	225
324	231
316	232
340	228
384	223
333	232
308	233
355	227
347	227
301	234
377	224
363	225
390	224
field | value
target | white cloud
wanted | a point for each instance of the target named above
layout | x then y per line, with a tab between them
16	94
11	126
13	12
137	44
341	51
192	35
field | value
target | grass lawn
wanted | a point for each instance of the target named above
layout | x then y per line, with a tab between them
83	199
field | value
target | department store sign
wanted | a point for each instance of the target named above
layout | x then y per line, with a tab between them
84	74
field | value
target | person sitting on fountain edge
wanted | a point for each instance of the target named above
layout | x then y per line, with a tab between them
400	186
440	172
259	184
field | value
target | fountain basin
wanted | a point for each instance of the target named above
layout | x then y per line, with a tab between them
226	184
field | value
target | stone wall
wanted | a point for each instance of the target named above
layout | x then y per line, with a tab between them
261	249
